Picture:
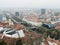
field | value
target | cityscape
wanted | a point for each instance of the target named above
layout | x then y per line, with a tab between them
29	26
29	22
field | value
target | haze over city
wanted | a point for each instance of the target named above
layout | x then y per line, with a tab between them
29	22
30	3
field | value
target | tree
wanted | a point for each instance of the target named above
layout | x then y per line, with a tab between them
53	33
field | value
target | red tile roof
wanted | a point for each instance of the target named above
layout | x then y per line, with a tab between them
18	26
51	40
32	18
57	27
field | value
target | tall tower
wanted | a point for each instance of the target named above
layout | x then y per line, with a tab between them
16	13
21	15
1	17
43	11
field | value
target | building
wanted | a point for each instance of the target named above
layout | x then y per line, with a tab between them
16	13
43	11
1	17
50	41
49	25
10	22
11	36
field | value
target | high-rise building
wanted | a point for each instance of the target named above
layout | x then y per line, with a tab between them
1	17
43	11
16	13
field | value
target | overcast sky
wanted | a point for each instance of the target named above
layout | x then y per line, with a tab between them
30	3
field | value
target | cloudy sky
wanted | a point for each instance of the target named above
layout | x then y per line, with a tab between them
30	3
